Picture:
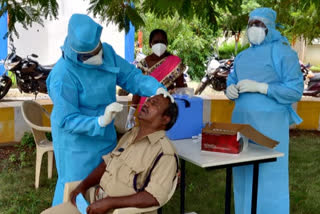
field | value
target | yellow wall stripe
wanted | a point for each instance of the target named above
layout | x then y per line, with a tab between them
6	125
12	125
309	111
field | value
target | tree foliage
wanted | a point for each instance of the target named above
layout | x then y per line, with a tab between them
26	12
299	17
118	11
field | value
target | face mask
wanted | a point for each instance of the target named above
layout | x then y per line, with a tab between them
159	48
256	35
95	60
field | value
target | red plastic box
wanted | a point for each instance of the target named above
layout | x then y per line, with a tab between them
222	137
220	143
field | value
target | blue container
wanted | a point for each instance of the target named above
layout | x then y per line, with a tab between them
189	122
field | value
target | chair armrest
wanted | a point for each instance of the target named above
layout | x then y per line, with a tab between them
68	188
46	113
44	128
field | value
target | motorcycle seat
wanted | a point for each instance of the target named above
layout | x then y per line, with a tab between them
316	77
45	69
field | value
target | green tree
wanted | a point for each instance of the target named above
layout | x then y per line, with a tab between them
299	17
27	12
118	11
233	23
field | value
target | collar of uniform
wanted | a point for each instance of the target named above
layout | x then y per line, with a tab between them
152	138
155	136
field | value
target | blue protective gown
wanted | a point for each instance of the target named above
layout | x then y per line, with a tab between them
80	94
275	63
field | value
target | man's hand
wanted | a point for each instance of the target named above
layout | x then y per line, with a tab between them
252	86
75	192
109	114
164	93
232	92
100	206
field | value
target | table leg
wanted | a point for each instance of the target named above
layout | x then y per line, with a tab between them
182	186
227	206
254	188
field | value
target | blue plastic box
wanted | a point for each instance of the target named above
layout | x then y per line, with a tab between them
189	122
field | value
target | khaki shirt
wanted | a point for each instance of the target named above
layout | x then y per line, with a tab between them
129	159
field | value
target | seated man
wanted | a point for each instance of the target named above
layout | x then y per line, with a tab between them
139	172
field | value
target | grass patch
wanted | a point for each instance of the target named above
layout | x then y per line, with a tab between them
204	188
315	68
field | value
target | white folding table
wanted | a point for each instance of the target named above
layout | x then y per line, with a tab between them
255	154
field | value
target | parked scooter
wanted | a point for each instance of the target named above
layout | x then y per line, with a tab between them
30	75
311	81
216	74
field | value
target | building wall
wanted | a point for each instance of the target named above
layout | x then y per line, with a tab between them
312	54
46	41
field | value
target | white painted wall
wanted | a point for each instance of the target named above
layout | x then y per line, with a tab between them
46	41
312	55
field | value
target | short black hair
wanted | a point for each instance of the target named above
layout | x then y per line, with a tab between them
172	112
156	31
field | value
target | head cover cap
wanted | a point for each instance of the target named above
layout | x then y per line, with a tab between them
266	15
83	33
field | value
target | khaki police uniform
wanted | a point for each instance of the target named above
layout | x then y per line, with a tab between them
129	164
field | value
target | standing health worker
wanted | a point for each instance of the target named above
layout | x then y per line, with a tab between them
265	82
82	86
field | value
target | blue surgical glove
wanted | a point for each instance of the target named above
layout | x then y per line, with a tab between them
252	86
109	114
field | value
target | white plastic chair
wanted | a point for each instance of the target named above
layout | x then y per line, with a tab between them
33	115
128	210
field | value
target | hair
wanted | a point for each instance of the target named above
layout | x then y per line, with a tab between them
156	31
172	112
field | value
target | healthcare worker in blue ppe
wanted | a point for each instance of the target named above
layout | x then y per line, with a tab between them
82	86
265	82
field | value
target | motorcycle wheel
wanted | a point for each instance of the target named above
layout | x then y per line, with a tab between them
201	87
5	84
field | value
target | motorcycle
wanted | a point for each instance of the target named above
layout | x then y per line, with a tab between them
29	74
311	81
218	71
216	74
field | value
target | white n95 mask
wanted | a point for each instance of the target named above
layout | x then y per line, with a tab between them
256	35
159	49
95	60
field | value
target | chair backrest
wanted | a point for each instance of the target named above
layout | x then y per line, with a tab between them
32	113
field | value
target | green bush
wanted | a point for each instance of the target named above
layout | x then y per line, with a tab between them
27	140
226	50
315	68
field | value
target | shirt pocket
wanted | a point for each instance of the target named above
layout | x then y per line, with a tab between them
128	171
